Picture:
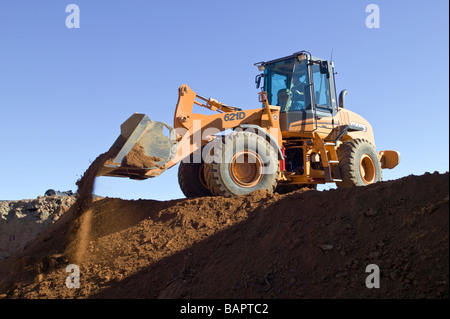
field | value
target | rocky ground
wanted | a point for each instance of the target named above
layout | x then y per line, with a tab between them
304	244
22	220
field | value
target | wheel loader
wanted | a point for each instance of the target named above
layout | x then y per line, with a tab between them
301	135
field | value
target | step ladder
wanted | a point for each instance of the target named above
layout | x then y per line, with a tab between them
329	158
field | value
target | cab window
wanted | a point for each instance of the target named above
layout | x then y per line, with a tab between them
321	88
279	95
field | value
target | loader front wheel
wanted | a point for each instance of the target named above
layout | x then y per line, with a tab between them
191	179
359	164
244	162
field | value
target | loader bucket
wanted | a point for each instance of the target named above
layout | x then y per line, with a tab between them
141	150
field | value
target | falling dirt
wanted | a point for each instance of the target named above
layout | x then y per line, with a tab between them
81	210
137	158
83	237
304	244
86	182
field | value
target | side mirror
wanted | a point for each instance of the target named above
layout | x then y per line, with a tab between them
324	68
342	98
258	80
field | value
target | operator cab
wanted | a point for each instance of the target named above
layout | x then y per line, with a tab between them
302	85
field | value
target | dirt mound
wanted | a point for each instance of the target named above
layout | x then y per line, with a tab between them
304	244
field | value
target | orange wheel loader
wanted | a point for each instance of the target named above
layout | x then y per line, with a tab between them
301	136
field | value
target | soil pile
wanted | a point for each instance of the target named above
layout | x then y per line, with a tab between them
304	244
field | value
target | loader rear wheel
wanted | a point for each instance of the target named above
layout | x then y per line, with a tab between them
191	179
359	164
247	162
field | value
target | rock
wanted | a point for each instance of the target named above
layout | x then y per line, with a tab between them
371	212
326	247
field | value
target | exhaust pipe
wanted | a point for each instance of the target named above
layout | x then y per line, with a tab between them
342	98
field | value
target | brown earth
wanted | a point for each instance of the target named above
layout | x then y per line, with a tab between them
304	244
137	158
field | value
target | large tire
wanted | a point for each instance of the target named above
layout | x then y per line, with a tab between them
192	181
245	162
359	164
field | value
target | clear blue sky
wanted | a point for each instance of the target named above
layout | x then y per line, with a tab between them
64	92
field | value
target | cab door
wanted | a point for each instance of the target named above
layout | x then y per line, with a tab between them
323	96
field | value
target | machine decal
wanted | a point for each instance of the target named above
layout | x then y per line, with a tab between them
358	126
234	116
